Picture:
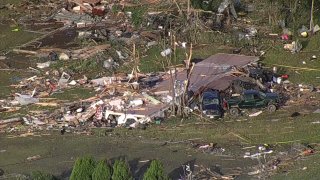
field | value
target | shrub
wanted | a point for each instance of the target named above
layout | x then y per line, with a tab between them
37	175
155	171
102	171
121	171
83	169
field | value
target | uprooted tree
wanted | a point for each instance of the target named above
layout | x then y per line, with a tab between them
83	168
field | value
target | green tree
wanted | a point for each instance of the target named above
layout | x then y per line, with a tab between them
102	171
121	171
37	175
155	171
83	168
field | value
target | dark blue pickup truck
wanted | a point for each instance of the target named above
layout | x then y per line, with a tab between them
211	103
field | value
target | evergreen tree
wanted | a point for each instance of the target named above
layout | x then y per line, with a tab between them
83	169
121	171
102	171
155	171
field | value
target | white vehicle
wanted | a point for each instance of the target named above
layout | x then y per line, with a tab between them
130	119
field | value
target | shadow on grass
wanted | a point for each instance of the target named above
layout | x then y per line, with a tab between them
138	172
180	172
65	174
134	164
304	43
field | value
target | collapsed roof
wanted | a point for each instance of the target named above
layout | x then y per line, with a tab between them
214	72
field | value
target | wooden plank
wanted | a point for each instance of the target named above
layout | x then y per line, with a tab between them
24	51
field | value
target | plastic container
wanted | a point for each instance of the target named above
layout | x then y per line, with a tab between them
166	52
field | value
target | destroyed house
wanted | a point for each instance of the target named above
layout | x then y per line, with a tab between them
215	72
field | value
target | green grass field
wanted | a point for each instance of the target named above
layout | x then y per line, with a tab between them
10	39
279	130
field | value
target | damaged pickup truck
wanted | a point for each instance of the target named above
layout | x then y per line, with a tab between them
209	103
253	99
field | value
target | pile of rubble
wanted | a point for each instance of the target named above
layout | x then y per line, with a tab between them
95	21
118	102
133	99
270	162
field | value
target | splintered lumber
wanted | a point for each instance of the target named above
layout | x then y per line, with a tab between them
4	66
24	51
48	50
88	52
12	120
47	104
152	99
9	109
150	34
87	115
144	2
80	2
6	122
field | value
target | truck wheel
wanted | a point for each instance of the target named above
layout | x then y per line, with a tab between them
234	112
272	108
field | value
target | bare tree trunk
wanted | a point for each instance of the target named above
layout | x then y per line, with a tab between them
294	12
186	88
179	100
311	17
172	77
188	10
173	90
135	68
269	13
